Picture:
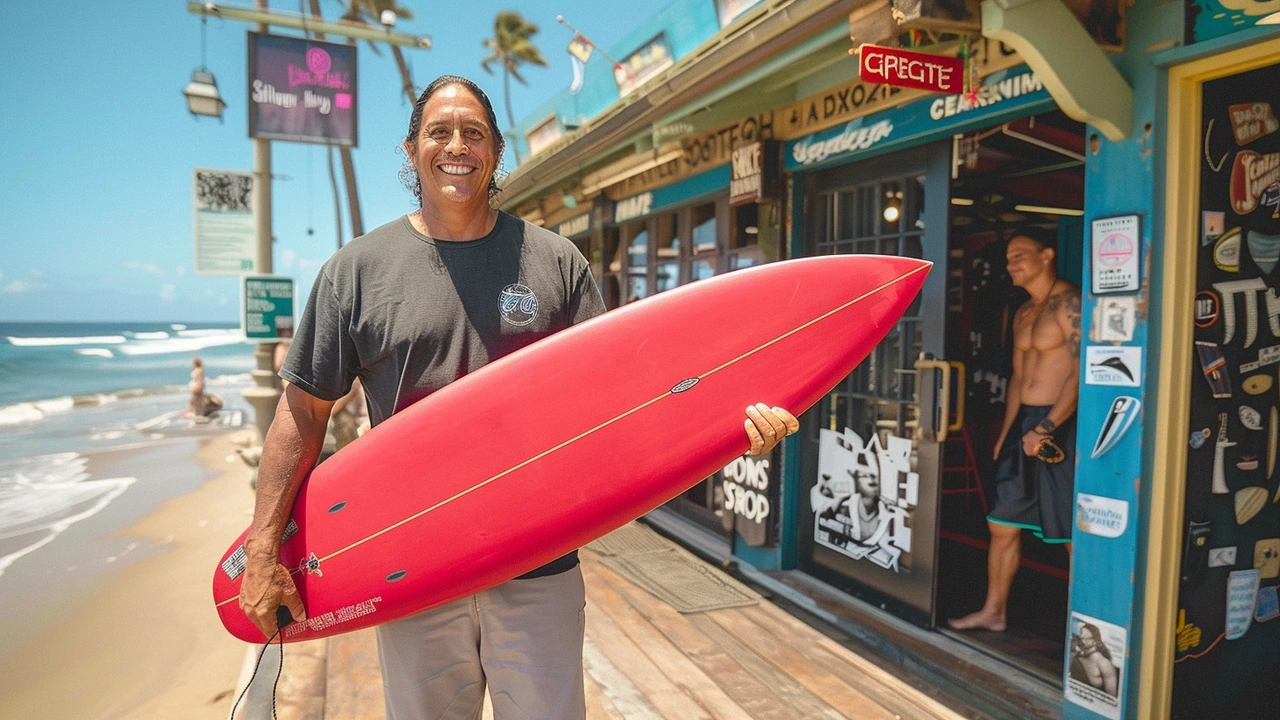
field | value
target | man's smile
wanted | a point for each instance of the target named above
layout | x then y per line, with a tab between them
455	169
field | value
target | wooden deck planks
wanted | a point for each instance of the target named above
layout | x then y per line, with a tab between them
668	657
666	697
777	648
712	658
885	688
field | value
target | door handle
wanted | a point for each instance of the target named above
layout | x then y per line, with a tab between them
943	367
961	379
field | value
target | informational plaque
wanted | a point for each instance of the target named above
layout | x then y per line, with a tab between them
907	69
266	307
223	222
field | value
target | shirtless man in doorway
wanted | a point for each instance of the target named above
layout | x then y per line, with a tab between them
1034	479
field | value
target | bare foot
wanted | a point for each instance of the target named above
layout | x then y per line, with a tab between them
981	620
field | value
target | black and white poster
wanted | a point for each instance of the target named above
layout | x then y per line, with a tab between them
864	497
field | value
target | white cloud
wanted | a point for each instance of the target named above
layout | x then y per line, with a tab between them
36	273
168	291
288	258
22	286
308	263
149	268
208	293
1	276
180	271
224	300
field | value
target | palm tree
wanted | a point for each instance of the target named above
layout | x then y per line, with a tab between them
511	46
370	12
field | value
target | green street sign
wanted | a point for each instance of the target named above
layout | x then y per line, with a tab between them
266	307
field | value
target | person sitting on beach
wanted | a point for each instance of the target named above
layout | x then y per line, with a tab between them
202	404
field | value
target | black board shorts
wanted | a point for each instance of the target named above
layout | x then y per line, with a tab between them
1030	493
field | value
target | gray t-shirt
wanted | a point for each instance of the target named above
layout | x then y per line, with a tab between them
408	314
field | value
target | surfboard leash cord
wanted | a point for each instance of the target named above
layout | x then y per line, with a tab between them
283	617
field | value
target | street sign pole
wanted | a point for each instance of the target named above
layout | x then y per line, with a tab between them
264	394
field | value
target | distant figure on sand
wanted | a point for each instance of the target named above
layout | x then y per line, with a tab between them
202	404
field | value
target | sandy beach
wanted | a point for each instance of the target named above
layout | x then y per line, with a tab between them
135	634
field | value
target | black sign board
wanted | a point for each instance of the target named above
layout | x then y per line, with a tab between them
755	173
302	90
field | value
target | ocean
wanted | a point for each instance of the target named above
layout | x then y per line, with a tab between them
73	391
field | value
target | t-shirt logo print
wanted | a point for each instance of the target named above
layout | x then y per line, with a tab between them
518	304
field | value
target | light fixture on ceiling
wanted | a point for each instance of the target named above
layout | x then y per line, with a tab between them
962	201
892	211
1048	210
751	230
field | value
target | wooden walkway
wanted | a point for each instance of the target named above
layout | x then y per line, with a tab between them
645	660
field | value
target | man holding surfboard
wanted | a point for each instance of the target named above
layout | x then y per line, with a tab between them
409	308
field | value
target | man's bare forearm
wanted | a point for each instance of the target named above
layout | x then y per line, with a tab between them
1066	405
293	443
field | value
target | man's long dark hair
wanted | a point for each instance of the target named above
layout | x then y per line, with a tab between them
408	174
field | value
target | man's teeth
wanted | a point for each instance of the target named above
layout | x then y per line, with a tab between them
457	169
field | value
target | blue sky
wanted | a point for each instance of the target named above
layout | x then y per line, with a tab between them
98	147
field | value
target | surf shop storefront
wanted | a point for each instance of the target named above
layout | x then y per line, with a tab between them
663	236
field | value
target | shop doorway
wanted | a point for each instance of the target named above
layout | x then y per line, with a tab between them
1025	174
870	458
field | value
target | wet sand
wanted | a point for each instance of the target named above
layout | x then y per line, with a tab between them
114	624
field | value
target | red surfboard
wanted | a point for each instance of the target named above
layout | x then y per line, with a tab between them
553	446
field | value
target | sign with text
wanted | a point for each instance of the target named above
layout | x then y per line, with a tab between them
1115	254
750	485
302	90
904	68
223	222
755	173
266	307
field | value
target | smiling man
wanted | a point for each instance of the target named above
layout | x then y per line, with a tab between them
407	309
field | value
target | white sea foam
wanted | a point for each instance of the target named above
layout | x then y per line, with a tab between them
95	352
178	326
42	496
209	332
55	341
159	335
29	412
182	344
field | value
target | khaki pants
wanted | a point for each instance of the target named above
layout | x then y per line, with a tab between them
523	639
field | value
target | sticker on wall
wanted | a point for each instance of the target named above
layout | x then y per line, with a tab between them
1247	462
1219	457
1268	604
1215	368
864	497
1226	251
1266	557
1273	435
1116	366
1115	318
1222	557
1248	289
1266	356
1199	438
1124	410
1256	384
1188	634
1212	225
1195	554
1102	516
1116	261
1242	596
1249	502
1252	177
1265	249
1250	121
1250	418
1097	665
1206	308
